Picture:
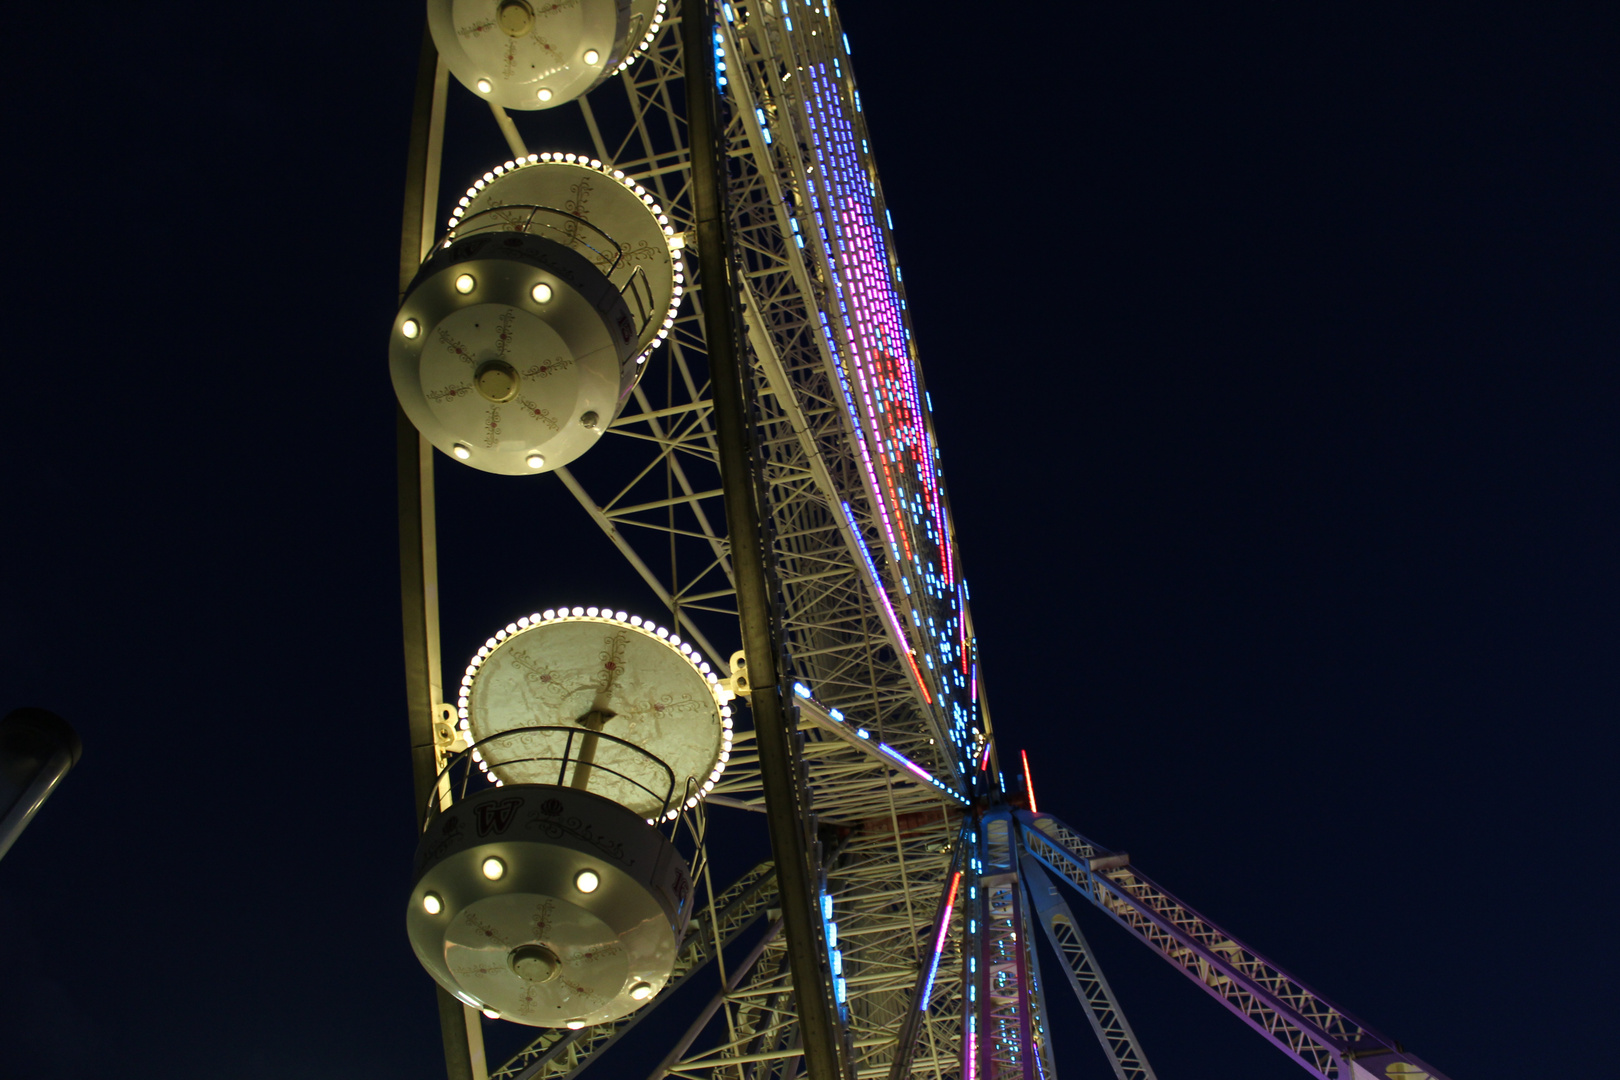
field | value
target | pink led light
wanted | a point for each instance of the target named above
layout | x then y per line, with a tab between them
945	923
879	376
907	762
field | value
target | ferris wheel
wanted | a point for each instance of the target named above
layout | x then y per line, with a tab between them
674	290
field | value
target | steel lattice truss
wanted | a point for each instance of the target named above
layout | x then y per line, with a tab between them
654	489
1108	1021
930	884
1307	1027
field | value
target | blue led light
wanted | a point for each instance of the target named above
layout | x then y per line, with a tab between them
873	360
928	987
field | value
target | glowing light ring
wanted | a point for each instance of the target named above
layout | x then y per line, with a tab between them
611	173
645	44
685	650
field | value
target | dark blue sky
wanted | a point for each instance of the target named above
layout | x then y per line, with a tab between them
1272	354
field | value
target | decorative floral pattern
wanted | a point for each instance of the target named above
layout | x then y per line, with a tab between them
541	414
612	655
449	393
546	367
492	426
540	921
554	829
642	252
455	346
534	673
545	46
579	206
472	919
552	9
503	331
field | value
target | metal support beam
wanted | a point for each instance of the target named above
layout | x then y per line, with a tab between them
509	130
1044	1054
1322	1037
418	544
695	1028
1086	979
928	969
786	805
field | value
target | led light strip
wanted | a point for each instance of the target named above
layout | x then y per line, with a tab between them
803	691
606	615
871	351
879	345
939	942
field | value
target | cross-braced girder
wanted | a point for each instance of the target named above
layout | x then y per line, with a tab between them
1085	978
1307	1027
652	486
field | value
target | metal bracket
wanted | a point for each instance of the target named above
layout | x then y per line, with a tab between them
447	738
736	684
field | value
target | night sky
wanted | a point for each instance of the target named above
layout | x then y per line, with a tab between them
1271	350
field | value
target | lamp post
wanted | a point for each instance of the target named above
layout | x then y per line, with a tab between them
37	748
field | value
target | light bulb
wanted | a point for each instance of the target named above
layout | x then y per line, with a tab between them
431	903
462	451
541	293
543	94
535	461
465	284
411	328
641	991
494	869
586	881
484	86
492	1014
574	1025
592	56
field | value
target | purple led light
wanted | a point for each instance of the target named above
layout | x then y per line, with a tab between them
874	359
907	762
